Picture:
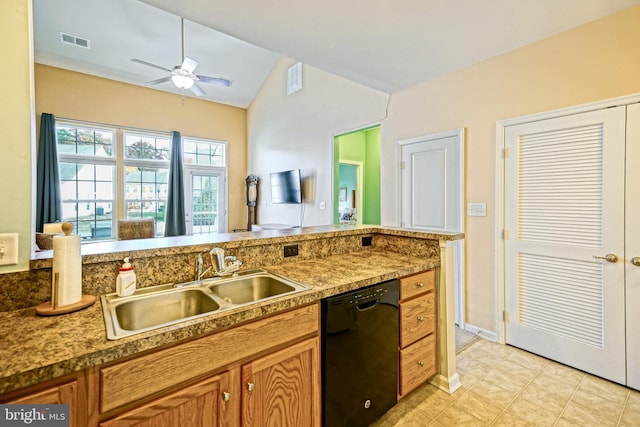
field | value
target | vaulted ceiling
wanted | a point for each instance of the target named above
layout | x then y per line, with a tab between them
388	45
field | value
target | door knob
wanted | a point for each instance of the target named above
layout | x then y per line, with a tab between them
608	257
635	261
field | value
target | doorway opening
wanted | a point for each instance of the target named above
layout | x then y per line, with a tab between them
357	176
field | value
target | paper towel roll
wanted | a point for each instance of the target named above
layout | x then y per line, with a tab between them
67	271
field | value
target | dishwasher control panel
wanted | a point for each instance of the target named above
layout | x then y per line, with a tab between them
371	294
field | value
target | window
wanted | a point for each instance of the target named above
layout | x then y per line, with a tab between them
146	163
87	179
108	174
204	153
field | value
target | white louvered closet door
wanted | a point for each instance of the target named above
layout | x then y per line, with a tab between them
633	246
564	191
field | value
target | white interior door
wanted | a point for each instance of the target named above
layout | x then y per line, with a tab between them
431	188
564	192
633	246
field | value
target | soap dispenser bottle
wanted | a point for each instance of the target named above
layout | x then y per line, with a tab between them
126	281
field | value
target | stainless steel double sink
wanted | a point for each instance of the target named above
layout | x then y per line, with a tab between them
164	305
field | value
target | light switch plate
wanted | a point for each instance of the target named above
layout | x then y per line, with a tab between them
8	249
476	209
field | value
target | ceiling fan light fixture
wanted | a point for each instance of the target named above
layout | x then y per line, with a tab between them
183	82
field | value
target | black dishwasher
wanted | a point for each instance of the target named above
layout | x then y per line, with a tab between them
359	355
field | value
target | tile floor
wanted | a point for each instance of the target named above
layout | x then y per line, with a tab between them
505	386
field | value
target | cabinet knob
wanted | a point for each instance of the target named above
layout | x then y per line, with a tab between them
226	396
421	363
420	319
250	386
635	261
420	285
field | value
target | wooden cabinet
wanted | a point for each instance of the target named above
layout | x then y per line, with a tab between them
263	373
199	405
283	388
66	393
417	330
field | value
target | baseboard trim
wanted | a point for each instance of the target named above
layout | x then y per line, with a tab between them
448	385
487	335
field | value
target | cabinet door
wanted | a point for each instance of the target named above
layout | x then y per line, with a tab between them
283	388
199	405
61	394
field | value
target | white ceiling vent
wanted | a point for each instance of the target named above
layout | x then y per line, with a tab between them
75	40
294	78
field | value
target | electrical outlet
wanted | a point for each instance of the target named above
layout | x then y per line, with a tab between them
9	249
366	240
290	250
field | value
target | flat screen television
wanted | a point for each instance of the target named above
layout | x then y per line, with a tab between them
286	187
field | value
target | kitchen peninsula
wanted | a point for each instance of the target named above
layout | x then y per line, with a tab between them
331	260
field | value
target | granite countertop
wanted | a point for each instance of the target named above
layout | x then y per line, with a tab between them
36	349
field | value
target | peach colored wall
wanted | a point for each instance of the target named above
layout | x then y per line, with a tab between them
16	137
80	96
593	62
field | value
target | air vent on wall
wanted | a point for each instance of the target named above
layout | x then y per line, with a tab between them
75	40
294	78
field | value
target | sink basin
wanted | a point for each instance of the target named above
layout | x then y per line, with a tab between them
157	306
249	289
151	310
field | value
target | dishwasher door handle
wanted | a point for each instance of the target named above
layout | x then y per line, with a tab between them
367	305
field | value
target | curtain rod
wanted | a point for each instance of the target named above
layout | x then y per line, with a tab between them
119	127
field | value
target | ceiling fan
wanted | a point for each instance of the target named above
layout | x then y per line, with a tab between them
182	76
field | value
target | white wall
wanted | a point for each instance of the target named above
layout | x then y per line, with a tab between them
296	132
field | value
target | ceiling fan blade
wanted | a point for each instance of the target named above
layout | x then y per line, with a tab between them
158	81
197	90
189	64
140	61
215	80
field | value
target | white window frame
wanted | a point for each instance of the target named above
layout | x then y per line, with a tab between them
93	160
119	162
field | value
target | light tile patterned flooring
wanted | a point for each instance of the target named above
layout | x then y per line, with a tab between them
505	386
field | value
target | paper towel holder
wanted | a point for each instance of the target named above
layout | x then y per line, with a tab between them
48	309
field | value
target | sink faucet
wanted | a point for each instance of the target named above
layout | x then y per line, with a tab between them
198	273
219	263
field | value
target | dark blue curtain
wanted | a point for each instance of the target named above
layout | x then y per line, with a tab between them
48	199
174	223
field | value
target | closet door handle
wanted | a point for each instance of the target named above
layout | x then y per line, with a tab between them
635	261
608	257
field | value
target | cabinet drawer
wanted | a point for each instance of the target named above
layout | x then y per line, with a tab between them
158	371
417	318
416	284
417	364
